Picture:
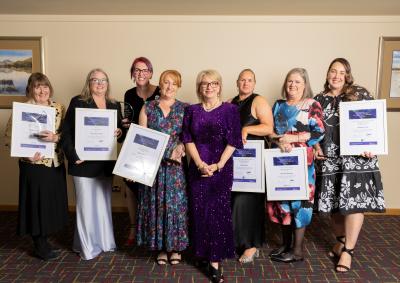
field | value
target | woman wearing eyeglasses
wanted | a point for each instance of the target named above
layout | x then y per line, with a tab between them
43	204
348	186
211	132
92	179
141	73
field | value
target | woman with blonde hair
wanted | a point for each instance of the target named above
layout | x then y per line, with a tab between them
92	179
211	132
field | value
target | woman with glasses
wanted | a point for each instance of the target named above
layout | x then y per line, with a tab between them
43	205
162	208
211	132
92	179
347	186
141	73
248	209
297	123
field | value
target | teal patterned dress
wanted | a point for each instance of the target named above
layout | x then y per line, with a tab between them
162	208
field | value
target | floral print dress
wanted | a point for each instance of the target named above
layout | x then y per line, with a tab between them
162	208
346	184
306	117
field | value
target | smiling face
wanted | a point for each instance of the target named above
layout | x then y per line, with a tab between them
246	83
295	86
142	74
336	76
41	94
98	84
209	88
168	87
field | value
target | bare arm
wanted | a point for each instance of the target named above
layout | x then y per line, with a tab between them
200	164
260	110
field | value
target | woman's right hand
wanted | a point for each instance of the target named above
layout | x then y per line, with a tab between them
205	170
318	153
79	162
36	157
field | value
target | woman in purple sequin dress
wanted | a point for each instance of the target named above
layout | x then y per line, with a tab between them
211	132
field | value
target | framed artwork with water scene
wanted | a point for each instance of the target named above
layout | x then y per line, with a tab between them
19	58
389	72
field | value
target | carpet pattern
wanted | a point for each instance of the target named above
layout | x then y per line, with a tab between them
376	259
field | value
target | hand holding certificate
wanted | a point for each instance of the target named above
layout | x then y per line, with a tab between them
363	127
31	127
286	174
141	154
94	134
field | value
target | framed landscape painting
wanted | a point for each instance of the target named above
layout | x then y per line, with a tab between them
19	58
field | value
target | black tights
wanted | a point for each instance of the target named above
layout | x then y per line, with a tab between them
293	238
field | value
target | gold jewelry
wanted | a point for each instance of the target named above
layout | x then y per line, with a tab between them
212	107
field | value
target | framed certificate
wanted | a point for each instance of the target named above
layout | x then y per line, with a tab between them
94	134
286	174
363	127
28	120
141	154
248	168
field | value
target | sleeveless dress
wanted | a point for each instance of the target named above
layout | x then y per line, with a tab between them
304	118
346	184
162	208
248	209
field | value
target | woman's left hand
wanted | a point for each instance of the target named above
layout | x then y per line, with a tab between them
117	132
285	147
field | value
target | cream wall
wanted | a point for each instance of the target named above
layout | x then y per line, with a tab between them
270	45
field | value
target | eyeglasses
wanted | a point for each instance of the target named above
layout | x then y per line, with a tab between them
42	87
99	81
143	71
214	84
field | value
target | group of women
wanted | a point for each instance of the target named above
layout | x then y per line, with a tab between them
192	205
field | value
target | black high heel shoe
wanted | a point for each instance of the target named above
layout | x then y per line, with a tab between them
215	274
280	250
344	267
332	253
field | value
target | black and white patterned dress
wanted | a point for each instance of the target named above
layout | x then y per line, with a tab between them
345	184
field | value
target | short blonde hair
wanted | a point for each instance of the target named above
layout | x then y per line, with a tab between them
174	74
214	75
244	71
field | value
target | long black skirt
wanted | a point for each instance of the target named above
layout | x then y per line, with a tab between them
43	203
248	214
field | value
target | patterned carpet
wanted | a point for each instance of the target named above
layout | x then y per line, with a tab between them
376	258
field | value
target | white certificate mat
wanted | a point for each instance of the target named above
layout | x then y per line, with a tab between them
286	174
363	127
94	134
28	120
248	168
141	154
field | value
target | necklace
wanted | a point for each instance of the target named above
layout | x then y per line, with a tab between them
212	107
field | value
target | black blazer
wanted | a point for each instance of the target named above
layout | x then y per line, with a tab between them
86	168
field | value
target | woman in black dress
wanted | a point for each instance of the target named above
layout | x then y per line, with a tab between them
141	72
248	209
43	204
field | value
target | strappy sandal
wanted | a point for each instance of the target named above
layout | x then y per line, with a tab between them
162	259
346	268
248	259
332	253
215	274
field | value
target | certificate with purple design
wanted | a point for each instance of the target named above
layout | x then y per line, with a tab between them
286	174
28	120
248	168
363	127
94	134
141	154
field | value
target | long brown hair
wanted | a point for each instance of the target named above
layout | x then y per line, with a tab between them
86	95
348	88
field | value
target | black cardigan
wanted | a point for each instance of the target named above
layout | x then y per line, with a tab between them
86	168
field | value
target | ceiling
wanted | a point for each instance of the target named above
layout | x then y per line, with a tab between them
202	7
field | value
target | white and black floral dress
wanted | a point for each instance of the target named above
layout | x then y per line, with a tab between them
345	184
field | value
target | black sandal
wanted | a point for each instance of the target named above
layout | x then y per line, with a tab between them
332	253
346	268
215	274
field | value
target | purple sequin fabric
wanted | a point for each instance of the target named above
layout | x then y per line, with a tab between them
210	197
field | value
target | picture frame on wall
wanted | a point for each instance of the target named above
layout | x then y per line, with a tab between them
19	58
388	86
